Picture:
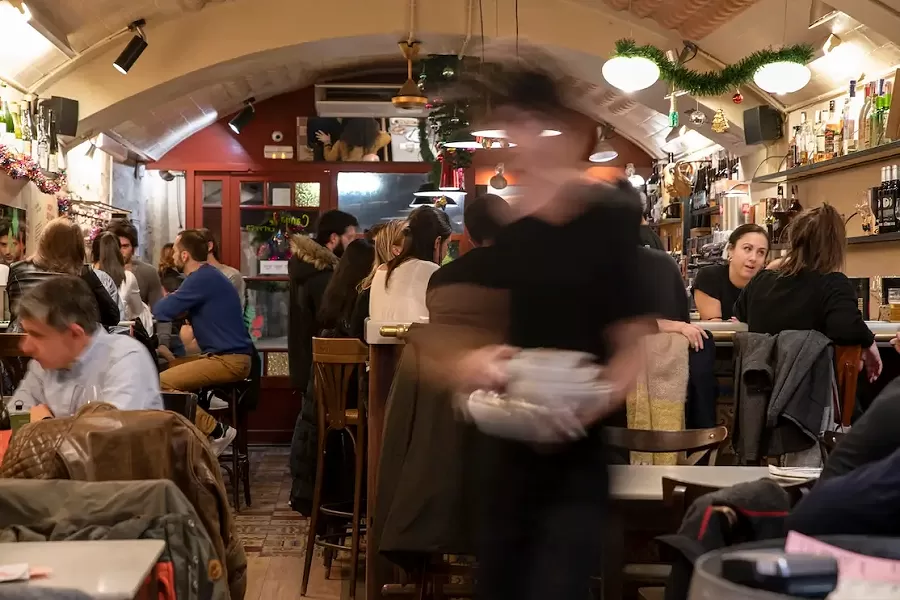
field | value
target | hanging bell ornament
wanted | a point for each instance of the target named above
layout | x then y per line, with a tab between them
719	122
673	111
448	72
697	117
738	97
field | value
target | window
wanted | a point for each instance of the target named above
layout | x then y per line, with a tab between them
266	238
267	310
377	197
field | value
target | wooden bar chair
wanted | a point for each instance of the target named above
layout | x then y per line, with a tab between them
846	371
335	362
696	442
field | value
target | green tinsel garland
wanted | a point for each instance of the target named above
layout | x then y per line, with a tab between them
713	83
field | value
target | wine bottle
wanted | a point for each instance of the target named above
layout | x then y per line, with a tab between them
895	195
863	120
43	142
832	132
25	109
848	135
793	159
795	203
889	194
53	161
820	136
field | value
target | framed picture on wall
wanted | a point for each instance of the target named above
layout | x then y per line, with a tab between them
13	228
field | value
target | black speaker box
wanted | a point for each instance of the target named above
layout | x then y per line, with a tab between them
65	111
762	124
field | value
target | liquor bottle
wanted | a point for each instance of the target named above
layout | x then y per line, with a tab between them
849	134
43	142
17	126
886	111
53	161
795	203
895	186
888	197
793	159
7	128
877	123
832	132
35	110
863	119
25	109
809	140
820	137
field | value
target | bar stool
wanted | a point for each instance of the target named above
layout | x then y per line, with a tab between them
334	363
241	397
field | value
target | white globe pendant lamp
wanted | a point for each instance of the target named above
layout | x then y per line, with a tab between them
630	73
782	77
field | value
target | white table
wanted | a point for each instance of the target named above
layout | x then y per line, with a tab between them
109	570
644	482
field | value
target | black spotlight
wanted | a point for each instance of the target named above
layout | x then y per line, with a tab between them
133	50
242	118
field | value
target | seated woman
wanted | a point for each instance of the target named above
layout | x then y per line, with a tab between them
717	287
60	252
807	291
339	299
108	259
398	288
388	240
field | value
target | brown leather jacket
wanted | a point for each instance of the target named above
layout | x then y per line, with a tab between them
102	443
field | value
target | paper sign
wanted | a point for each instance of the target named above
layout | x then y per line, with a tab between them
850	564
16	572
273	267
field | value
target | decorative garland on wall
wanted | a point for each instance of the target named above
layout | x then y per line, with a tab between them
23	167
713	83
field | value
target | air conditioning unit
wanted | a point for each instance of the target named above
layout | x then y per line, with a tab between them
348	100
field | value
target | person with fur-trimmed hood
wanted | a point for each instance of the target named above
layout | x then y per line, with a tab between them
310	269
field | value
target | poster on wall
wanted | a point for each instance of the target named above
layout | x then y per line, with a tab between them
12	234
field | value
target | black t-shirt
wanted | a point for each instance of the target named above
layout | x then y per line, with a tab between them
715	283
772	303
569	283
650	239
665	288
472	267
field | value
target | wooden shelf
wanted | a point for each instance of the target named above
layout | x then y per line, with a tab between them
709	210
848	161
665	222
875	239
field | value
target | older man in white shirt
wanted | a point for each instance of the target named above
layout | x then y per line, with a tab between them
75	361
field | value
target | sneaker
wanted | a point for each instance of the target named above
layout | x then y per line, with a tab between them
219	445
217	403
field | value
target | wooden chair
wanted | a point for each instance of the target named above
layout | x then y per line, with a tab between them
335	361
698	442
828	441
846	370
183	403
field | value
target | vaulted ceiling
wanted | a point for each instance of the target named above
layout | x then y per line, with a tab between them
207	56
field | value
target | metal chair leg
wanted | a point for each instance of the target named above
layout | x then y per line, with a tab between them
235	459
317	500
357	505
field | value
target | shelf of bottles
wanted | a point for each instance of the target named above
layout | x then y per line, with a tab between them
853	130
884	201
29	129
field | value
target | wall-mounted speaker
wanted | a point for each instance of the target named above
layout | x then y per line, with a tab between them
65	111
762	124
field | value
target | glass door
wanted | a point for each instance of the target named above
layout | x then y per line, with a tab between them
268	211
212	193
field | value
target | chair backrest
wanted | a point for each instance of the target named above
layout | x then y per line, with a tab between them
183	403
846	371
695	441
828	441
335	360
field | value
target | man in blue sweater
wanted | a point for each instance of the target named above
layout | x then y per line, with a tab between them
213	308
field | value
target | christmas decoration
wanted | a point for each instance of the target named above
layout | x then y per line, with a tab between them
673	110
23	167
697	117
713	83
737	98
719	122
448	72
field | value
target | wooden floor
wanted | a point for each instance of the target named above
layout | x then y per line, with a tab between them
278	578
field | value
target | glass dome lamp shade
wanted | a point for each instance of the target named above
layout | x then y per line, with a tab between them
630	73
782	77
462	140
501	134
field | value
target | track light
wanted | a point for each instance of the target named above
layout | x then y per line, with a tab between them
240	120
91	151
133	50
603	150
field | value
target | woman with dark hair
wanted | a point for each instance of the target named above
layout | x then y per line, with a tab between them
717	287
60	252
807	291
398	288
360	138
340	296
567	263
108	259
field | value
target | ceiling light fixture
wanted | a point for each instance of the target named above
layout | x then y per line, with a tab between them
820	13
134	49
240	120
501	134
782	77
831	43
462	140
498	181
675	133
91	151
630	73
603	150
409	97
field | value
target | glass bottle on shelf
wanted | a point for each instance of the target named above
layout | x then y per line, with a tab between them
849	133
886	111
7	128
17	126
43	146
877	135
25	109
832	132
820	136
53	160
863	119
793	158
795	203
808	141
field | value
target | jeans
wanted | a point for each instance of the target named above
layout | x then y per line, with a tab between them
703	388
195	372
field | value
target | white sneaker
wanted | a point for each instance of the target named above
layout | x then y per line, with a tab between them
219	445
216	403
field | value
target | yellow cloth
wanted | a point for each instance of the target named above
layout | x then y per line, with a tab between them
657	403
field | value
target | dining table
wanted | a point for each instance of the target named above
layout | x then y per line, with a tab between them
644	482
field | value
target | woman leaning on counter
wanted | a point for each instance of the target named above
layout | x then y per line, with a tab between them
807	291
717	287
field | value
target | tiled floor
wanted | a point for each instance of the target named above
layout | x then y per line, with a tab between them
274	535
